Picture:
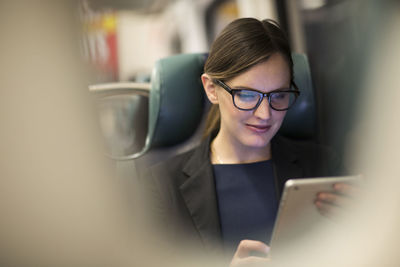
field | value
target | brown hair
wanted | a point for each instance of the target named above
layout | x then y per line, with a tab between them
241	45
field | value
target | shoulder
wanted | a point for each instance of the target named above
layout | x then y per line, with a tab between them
173	172
167	171
171	166
185	162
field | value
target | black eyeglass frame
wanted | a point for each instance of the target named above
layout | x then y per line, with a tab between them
268	95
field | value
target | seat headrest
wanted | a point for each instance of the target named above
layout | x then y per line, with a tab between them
177	98
176	101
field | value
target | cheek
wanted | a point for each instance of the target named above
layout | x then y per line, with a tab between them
279	116
229	114
228	111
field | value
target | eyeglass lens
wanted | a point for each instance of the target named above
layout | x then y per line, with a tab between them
247	99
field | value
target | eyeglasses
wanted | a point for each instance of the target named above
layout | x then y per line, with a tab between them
249	99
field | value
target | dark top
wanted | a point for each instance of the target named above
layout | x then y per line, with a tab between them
181	191
247	202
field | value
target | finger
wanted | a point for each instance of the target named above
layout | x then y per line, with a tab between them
346	189
349	190
249	261
325	209
245	246
333	199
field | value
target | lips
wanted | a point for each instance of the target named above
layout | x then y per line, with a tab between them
258	128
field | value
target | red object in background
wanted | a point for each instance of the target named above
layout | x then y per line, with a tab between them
101	43
113	53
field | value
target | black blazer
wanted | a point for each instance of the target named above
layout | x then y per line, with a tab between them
182	192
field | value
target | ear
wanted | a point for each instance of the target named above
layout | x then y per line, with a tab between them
209	88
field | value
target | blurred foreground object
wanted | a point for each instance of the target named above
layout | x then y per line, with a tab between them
369	235
61	204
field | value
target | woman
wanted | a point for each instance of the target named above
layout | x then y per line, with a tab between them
225	192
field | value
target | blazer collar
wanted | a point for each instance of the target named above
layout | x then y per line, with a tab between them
200	197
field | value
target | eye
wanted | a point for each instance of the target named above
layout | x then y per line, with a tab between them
247	95
279	96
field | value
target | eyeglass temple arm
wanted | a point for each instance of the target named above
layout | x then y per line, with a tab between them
223	85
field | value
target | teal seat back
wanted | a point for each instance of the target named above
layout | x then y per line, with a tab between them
176	103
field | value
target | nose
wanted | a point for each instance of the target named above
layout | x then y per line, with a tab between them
263	111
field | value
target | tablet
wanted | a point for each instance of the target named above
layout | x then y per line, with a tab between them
297	213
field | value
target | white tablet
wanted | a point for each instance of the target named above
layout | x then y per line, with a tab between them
297	212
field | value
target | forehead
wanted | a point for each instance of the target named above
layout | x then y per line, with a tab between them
269	75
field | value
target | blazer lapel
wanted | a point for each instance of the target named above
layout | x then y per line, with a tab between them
198	192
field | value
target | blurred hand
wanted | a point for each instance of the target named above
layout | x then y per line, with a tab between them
328	203
244	254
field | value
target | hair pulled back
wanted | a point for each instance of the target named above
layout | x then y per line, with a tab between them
241	45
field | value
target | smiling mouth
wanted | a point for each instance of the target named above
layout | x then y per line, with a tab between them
258	128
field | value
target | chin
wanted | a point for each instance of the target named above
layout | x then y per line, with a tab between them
257	141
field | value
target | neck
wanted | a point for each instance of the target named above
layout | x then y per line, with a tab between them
224	151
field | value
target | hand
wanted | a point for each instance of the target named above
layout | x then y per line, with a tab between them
243	255
329	203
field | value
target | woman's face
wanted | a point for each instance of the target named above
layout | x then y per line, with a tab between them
254	128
